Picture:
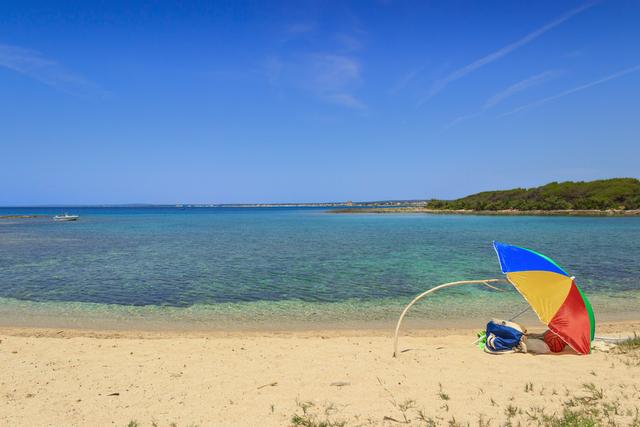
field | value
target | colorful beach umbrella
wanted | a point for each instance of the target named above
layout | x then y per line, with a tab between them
552	294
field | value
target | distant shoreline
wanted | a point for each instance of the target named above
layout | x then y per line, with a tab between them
504	212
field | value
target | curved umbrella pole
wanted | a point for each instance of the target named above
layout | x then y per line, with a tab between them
424	294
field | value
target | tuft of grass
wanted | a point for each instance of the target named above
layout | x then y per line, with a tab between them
575	418
593	394
630	350
528	387
482	422
630	344
442	395
588	407
511	411
132	423
404	408
313	416
428	421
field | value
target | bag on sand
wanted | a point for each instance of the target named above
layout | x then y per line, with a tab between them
504	337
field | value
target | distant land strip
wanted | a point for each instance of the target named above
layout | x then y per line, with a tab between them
502	212
605	197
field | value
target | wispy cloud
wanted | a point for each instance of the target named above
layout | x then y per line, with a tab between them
329	74
346	100
505	94
575	89
405	80
273	68
461	119
519	87
330	77
348	41
300	28
334	71
506	50
36	66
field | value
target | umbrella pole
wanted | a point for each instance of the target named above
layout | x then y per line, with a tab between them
424	294
520	314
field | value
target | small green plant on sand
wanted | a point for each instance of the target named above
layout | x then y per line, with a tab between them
442	394
314	416
630	344
404	407
482	422
426	420
511	411
589	408
629	350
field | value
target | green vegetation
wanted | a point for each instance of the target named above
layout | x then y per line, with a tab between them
154	423
441	394
630	344
616	193
589	406
629	350
313	416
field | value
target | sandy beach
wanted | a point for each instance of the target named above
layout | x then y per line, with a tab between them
54	377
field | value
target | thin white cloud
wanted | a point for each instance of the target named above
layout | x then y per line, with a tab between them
346	100
34	65
329	77
575	89
488	59
333	71
519	87
503	95
333	77
348	41
273	67
460	119
405	80
300	28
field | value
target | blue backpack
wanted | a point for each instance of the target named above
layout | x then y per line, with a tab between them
504	337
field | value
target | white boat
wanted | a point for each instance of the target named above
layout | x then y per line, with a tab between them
66	217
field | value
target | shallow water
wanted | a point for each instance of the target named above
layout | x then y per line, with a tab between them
297	263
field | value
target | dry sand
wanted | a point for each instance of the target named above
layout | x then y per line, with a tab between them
92	378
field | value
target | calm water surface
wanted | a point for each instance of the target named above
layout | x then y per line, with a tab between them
251	261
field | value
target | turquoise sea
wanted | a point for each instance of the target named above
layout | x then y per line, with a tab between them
253	266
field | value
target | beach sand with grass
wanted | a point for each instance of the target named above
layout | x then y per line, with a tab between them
73	377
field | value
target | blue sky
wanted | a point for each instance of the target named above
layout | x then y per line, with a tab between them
226	102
